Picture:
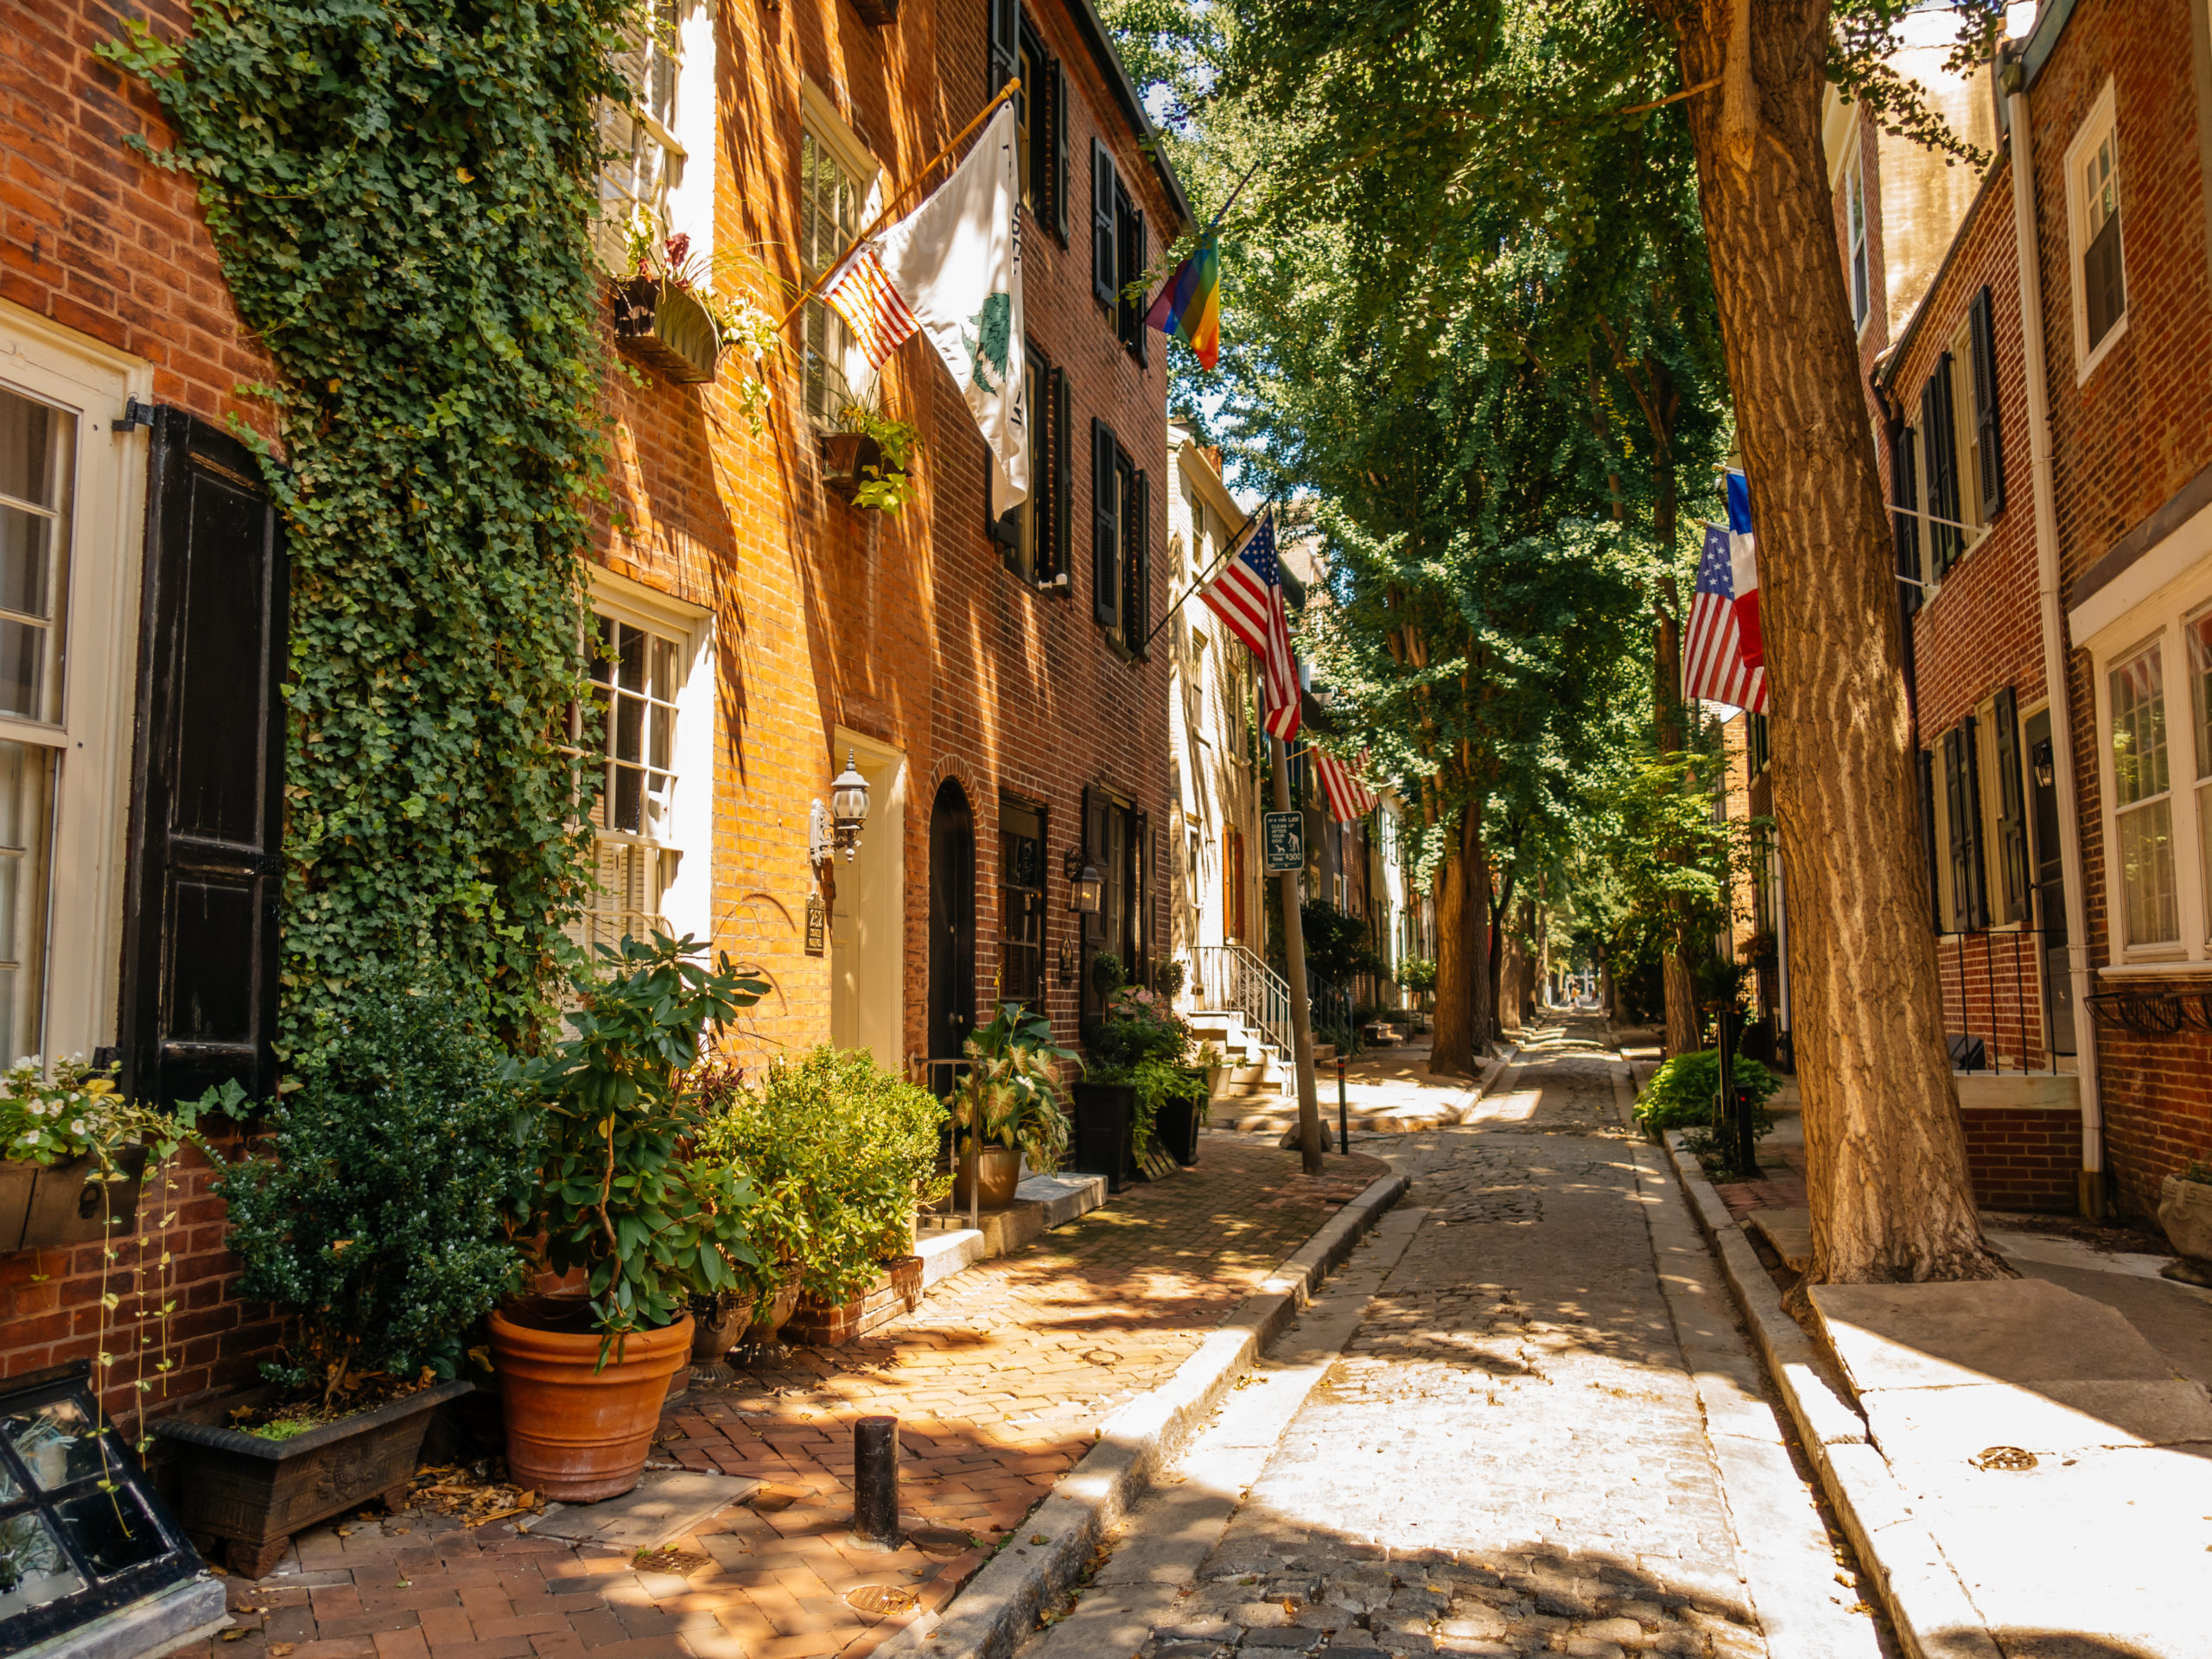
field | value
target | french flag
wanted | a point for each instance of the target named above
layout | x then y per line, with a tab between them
1744	571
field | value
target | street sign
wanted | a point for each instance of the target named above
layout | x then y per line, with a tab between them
1284	834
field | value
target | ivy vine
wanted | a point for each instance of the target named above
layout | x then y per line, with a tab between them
400	192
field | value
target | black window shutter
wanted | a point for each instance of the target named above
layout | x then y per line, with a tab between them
1090	924
1954	812
1974	897
1105	250
1133	257
1989	439
1059	178
1005	45
1904	492
2104	289
1063	429
206	853
1136	540
1105	529
1938	439
1928	839
2012	800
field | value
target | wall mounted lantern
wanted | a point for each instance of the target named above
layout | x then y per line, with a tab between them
1085	884
838	831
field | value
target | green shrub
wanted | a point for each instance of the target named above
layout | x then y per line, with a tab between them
1143	1041
381	1207
839	1151
1680	1094
1337	947
1418	973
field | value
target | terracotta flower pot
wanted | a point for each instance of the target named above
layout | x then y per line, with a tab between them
578	1432
999	1170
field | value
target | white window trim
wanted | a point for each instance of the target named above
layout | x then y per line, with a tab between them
687	904
92	796
822	118
1854	188
2123	639
2103	118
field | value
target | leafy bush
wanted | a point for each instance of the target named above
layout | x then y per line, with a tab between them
617	1196
1108	976
1680	1094
1169	977
1336	944
1418	973
1142	1040
382	1205
839	1153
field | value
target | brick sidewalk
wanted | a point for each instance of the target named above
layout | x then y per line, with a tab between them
998	1380
1782	1187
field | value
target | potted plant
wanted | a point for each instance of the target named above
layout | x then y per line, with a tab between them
1142	1054
633	1226
840	1152
2185	1212
1009	1104
868	459
377	1212
74	1157
670	314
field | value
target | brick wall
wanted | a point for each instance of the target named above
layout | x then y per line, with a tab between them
2023	1158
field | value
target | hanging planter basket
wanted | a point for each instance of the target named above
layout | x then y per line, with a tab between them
846	457
666	329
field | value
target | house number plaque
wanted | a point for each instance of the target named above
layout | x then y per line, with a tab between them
817	925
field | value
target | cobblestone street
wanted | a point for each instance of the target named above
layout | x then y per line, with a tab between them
1502	1444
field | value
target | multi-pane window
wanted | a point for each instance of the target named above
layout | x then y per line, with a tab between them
2200	696
631	736
1030	532
830	203
1855	208
1022	906
37	461
2142	806
643	160
2104	286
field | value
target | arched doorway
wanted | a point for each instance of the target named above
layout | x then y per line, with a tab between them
952	921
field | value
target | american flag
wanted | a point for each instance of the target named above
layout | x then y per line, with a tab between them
1348	802
1247	597
1713	655
864	297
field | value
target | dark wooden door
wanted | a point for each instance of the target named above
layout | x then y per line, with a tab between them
952	921
2051	883
200	968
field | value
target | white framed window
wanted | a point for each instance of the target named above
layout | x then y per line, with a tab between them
1854	191
2098	259
643	157
2198	628
2142	804
649	737
72	523
835	200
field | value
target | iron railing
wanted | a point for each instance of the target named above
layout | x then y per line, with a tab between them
2007	1002
1328	1004
1233	980
940	1077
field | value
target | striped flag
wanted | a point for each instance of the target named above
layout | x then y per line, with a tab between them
1247	597
1348	802
872	308
1713	665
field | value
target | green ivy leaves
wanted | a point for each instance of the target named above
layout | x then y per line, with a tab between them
401	192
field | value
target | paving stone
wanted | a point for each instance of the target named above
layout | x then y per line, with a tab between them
1286	1637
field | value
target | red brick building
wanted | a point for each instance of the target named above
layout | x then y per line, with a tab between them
994	683
2071	903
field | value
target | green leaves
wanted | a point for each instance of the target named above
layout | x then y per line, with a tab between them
401	192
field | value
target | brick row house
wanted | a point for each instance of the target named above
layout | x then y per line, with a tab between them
993	680
2033	337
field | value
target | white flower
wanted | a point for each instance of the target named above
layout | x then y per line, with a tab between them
77	1126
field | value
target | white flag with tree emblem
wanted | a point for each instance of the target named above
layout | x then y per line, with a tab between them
954	267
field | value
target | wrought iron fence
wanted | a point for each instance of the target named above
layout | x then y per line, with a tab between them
2007	1002
1231	979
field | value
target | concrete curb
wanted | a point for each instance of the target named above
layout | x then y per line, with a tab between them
1000	1604
1930	1608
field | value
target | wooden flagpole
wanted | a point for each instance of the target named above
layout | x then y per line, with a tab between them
912	185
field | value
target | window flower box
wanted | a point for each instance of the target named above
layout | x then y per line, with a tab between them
666	327
45	1205
846	461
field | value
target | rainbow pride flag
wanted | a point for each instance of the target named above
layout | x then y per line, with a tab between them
1191	303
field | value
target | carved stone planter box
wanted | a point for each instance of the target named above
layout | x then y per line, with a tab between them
60	1203
254	1493
668	329
898	1291
2185	1212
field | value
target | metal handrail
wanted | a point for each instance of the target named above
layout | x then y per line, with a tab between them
1232	979
1330	1004
1999	1011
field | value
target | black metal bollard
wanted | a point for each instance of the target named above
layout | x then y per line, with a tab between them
875	1481
1344	1127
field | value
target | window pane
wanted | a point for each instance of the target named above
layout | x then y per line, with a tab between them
26	823
2200	689
629	729
602	644
663	725
57	1443
34	444
112	1529
663	670
630	658
629	810
2139	728
34	1571
2146	861
23	664
25	547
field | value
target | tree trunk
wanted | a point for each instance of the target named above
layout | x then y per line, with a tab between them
1461	1021
1885	1153
1683	1025
1494	916
1685	1029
